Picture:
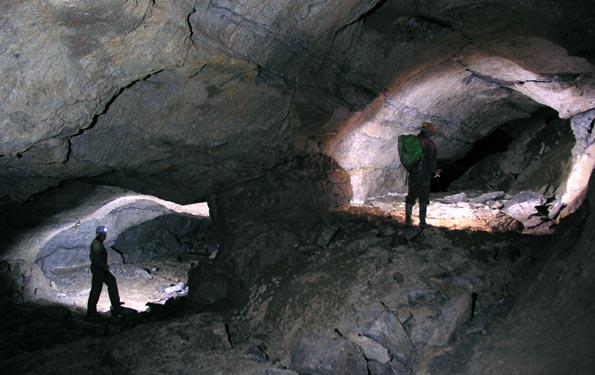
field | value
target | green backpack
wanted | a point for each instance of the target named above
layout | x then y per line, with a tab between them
410	151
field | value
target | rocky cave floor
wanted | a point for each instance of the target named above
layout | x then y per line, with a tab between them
446	287
138	283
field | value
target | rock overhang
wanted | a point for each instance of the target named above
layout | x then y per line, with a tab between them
230	90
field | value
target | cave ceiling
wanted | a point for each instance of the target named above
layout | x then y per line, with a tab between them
181	99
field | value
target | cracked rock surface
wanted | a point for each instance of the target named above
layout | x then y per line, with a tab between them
181	99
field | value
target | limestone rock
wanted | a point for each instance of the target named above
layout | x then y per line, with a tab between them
486	197
523	205
383	326
256	354
449	318
325	356
276	371
207	285
392	368
373	351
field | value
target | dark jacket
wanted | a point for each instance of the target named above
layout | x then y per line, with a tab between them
98	254
429	149
427	168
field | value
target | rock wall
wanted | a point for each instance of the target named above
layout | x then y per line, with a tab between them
177	98
261	222
41	238
550	329
539	159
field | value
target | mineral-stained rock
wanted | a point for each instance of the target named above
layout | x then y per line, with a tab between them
318	355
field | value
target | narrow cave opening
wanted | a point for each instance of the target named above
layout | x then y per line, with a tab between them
494	143
150	260
151	245
527	154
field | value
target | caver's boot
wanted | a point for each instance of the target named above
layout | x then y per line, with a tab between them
423	209
408	212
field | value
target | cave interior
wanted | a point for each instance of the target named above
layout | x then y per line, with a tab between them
243	157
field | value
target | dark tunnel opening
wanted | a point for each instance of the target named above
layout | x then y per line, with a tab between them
495	142
540	141
150	260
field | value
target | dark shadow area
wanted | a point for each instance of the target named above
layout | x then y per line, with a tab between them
532	154
343	252
18	217
546	324
496	142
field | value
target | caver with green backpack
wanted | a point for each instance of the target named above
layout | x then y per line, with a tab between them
418	155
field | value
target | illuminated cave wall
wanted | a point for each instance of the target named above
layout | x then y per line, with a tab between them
183	99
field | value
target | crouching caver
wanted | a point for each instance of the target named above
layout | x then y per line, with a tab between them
420	179
101	275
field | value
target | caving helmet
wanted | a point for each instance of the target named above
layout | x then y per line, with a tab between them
429	127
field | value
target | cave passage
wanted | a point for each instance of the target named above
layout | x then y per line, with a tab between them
285	115
150	261
495	142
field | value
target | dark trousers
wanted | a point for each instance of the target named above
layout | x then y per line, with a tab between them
419	188
101	276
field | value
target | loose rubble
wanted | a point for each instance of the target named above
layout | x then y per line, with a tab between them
528	212
368	302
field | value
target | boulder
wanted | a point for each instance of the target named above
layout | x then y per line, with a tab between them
447	319
373	351
383	327
523	205
319	355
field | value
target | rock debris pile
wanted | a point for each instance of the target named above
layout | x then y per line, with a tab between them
364	301
527	211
